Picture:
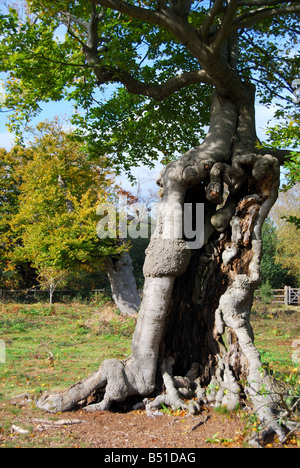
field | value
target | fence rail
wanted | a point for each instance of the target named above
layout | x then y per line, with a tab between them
36	294
287	296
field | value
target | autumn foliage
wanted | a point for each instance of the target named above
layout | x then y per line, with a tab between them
49	196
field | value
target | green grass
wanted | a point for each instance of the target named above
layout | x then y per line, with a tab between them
275	328
51	347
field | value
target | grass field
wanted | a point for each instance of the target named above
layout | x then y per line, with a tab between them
49	348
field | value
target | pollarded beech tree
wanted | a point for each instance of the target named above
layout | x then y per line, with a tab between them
165	58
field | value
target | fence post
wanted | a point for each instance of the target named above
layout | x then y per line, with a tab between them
286	295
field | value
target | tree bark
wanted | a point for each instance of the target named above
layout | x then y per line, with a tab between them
123	285
193	297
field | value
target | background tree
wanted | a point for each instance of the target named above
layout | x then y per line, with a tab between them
286	209
287	134
54	225
272	270
8	197
20	275
50	278
163	60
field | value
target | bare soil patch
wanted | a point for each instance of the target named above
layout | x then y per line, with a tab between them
123	430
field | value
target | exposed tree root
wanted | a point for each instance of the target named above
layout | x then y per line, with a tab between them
175	389
137	375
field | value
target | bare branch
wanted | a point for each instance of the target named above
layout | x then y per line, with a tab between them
93	36
270	61
177	25
89	39
266	3
158	92
74	19
72	32
60	62
150	16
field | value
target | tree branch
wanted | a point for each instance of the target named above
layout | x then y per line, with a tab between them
178	26
266	3
265	84
254	16
271	62
91	42
154	91
92	29
208	55
224	31
150	16
75	20
181	7
204	30
158	92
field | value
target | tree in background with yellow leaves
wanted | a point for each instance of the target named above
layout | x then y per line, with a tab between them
53	226
287	205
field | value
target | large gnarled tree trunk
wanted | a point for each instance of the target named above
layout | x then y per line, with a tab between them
193	298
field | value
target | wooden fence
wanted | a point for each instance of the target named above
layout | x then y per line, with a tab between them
36	294
287	296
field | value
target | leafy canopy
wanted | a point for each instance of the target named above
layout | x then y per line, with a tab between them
274	270
287	252
141	72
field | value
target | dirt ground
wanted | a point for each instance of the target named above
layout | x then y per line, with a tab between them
123	430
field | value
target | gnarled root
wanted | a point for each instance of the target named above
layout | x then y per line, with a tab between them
136	376
111	375
174	388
